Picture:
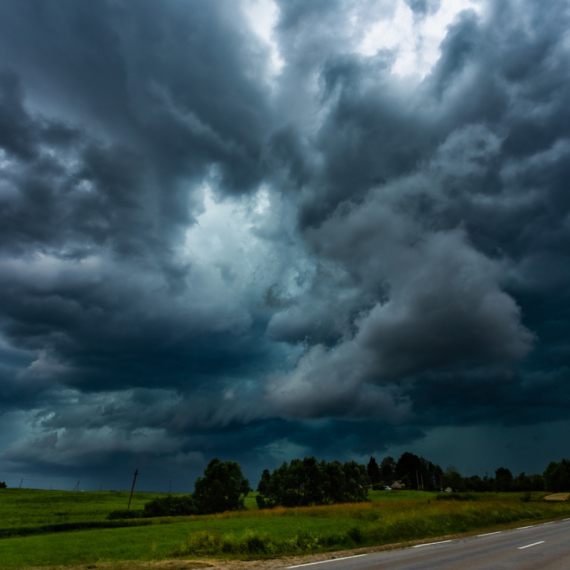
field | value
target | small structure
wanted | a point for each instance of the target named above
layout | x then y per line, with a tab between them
449	490
396	486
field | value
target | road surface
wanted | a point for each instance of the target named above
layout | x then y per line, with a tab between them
542	546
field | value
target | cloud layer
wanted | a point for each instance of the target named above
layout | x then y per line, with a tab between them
260	229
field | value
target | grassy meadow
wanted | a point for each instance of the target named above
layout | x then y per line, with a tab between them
61	519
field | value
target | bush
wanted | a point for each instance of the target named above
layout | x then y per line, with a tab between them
3	485
125	514
557	476
170	507
355	534
526	497
456	497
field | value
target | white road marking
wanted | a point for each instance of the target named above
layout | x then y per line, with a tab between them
566	519
430	543
323	561
544	524
490	533
529	545
523	527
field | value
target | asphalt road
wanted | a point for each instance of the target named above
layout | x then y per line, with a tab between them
543	546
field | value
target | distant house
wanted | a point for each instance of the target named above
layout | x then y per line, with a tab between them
396	486
449	490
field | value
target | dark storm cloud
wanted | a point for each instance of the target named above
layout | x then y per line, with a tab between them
201	254
451	155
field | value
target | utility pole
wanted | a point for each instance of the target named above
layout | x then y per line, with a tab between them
170	487
21	483
133	488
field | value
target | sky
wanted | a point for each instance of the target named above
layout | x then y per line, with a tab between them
267	229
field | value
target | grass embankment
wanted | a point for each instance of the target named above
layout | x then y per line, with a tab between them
257	534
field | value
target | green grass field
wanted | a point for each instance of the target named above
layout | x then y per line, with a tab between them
24	508
21	508
389	517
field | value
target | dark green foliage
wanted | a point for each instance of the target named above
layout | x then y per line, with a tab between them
523	483
3	485
388	470
355	534
374	473
170	507
307	482
526	497
557	476
455	481
223	488
456	497
503	480
474	483
537	482
125	514
418	473
488	484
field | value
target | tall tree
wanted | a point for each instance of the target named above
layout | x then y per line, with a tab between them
503	480
373	470
223	488
408	469
557	476
388	470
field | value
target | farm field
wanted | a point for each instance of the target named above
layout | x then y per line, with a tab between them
389	517
25	508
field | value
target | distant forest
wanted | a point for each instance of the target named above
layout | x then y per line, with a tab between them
420	474
310	482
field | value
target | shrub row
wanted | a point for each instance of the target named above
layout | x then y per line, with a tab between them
254	543
162	507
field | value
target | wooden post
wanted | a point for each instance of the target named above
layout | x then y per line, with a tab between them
133	488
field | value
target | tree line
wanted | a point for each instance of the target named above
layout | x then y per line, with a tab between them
420	474
305	482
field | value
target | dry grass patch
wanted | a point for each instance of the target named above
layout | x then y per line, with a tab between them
557	497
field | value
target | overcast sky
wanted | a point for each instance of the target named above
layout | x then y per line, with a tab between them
264	229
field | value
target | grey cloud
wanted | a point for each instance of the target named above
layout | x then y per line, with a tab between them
423	7
378	257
